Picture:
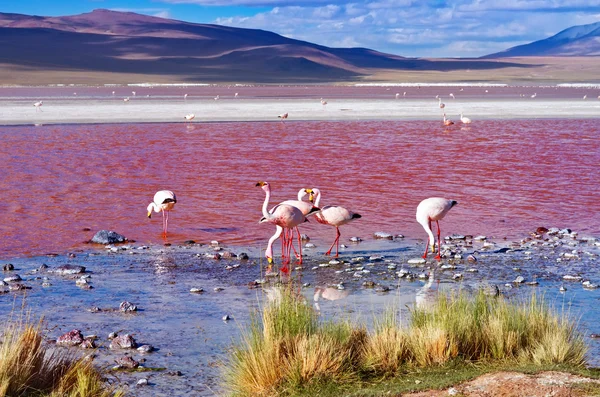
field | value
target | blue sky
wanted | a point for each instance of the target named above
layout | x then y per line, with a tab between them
416	28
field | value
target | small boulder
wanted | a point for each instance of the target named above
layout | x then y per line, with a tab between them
68	269
125	341
108	237
127	307
127	362
71	338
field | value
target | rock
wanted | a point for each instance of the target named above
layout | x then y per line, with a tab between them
457	276
309	245
88	344
218	289
145	348
383	235
18	287
226	318
123	342
304	237
243	256
12	279
112	335
108	237
68	269
491	290
417	261
355	239
519	280
382	289
471	258
369	284
588	285
127	362
142	382
71	338
7	267
570	277
127	307
376	258
196	290
334	262
480	238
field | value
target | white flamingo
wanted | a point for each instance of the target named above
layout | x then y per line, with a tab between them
433	209
283	116
323	102
126	99
189	117
442	105
451	96
465	120
164	201
447	122
333	215
38	106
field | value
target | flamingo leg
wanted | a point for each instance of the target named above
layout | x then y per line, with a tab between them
336	241
163	219
299	245
298	256
427	244
439	255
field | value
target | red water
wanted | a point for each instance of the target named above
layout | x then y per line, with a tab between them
508	177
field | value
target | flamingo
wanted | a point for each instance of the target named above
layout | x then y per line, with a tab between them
164	201
283	116
307	208
465	120
433	209
185	96
447	122
217	98
283	216
189	117
236	95
126	99
323	102
332	215
397	95
38	106
534	95
442	105
451	95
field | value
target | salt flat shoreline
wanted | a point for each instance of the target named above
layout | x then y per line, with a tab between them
150	110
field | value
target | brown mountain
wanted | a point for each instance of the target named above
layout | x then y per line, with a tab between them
108	42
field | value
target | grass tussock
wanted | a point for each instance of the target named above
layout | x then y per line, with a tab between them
29	368
287	349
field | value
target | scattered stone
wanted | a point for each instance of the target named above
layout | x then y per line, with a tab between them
43	267
355	239
174	373
108	237
376	258
197	290
457	276
399	236
112	335
218	289
88	344
417	261
383	235
401	273
309	245
519	280
142	382
18	287
127	307
532	283
562	288
480	238
243	256
94	309
226	318
127	362
595	336
214	243
382	289
189	242
471	258
571	277
71	338
589	285
123	342
368	284
7	267
13	279
304	237
492	289
145	348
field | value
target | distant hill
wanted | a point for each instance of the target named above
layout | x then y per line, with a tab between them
122	42
583	40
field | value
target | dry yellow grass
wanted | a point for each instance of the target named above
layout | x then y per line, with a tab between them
28	368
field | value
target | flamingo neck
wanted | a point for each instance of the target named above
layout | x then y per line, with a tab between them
153	206
317	197
265	211
425	225
269	250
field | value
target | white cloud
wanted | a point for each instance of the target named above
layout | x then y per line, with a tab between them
452	28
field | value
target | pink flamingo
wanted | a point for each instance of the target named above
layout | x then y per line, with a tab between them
164	201
333	215
307	209
38	106
447	122
283	116
433	209
283	216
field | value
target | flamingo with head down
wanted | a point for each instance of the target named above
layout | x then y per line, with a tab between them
164	201
433	209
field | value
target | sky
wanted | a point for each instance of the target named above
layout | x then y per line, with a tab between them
411	28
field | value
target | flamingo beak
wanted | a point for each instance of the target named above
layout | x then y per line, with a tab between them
149	214
311	197
261	183
433	248
270	260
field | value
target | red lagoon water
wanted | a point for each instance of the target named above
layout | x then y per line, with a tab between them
508	177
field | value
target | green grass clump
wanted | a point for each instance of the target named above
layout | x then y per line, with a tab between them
287	350
28	368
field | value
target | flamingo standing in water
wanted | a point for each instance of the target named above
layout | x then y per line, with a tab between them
283	216
164	201
447	122
465	120
283	116
333	215
189	117
307	208
323	102
433	209
442	105
38	106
